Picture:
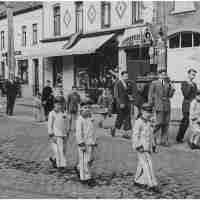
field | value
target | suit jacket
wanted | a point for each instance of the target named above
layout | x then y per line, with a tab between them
159	95
121	93
189	93
46	92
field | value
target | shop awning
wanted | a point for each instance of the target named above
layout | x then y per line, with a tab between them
87	45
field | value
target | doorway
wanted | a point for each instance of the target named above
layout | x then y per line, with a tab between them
36	76
57	70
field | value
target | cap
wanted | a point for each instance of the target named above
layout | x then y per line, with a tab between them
147	107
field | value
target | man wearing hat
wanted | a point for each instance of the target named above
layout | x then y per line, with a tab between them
189	89
160	92
143	143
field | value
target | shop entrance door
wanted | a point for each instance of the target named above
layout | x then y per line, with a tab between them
57	70
36	76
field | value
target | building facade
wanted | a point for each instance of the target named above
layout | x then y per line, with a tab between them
183	33
83	41
27	21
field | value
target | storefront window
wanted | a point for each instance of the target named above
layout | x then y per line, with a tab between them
23	71
196	38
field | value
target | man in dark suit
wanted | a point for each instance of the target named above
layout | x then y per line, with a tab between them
160	93
11	88
47	98
189	89
122	95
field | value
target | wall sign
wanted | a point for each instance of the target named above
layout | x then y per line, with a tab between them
91	14
67	18
135	37
120	8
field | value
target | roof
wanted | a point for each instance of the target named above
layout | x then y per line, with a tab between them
20	7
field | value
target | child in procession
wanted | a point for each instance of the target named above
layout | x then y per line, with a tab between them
86	141
38	108
194	138
143	143
58	130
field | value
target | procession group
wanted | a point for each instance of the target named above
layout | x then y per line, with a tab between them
67	117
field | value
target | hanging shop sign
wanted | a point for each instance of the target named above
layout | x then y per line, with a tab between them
136	36
17	53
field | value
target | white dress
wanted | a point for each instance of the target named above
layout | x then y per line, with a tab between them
143	136
85	135
58	124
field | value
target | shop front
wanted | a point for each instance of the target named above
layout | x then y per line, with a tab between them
140	53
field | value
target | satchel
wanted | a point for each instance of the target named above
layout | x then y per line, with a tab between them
109	122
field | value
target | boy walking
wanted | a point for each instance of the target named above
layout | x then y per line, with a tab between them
58	125
86	141
143	142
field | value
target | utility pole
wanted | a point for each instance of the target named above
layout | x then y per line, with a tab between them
10	54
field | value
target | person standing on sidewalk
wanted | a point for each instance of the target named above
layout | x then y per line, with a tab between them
11	93
123	106
47	101
160	93
189	89
143	142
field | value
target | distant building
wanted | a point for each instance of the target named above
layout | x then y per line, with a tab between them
27	35
183	41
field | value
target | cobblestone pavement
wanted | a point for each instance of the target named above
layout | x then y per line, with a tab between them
26	173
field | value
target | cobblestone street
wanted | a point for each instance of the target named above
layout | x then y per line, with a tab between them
26	173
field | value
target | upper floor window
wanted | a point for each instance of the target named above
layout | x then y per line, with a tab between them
2	40
56	20
184	39
35	31
136	11
183	6
24	41
79	16
105	14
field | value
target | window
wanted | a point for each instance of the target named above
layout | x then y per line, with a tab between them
79	16
2	40
23	71
24	36
184	39
196	38
136	11
56	17
105	14
174	41
183	6
35	39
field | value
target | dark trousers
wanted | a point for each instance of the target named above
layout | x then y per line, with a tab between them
123	118
10	105
183	126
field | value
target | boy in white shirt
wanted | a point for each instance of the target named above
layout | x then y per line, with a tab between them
86	141
143	142
58	130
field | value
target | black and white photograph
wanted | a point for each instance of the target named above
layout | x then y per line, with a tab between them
99	99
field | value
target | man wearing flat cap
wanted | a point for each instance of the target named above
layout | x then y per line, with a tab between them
189	89
159	96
